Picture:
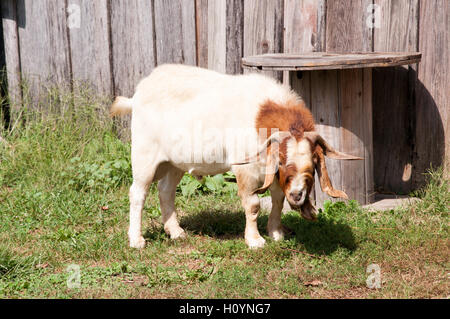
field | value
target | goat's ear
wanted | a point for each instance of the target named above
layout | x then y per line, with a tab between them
271	169
274	139
328	151
309	211
324	179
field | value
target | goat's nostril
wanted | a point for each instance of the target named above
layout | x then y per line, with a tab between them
296	196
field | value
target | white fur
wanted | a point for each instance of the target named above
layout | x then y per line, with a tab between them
177	101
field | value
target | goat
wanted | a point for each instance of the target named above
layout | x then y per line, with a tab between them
181	116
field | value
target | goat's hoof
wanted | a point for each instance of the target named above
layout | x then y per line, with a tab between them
138	242
277	234
255	243
178	233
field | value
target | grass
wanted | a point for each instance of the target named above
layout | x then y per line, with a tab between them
64	179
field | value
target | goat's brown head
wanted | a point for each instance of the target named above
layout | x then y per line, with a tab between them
292	162
294	153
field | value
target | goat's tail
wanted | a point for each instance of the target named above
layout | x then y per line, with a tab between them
121	106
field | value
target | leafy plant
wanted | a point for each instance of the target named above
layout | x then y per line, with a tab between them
217	184
93	176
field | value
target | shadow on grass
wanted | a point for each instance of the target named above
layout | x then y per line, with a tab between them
322	237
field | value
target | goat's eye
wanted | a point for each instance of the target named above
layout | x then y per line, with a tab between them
288	179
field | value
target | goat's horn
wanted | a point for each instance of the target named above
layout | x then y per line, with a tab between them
328	151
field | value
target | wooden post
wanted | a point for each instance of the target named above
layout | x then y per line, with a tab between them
225	35
263	29
12	56
43	45
432	131
175	32
90	46
133	49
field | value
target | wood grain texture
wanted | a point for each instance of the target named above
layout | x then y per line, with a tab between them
304	28
346	29
304	24
234	36
133	50
355	116
432	130
217	46
132	43
263	28
329	61
392	102
90	46
43	44
201	17
326	110
12	54
175	31
367	136
225	35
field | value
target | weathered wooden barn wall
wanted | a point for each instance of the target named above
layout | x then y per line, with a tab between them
118	42
4	112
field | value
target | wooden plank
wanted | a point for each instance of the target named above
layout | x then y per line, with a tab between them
43	43
326	111
225	35
324	61
12	56
393	144
432	131
355	116
234	36
367	138
201	16
90	46
132	49
132	43
346	29
4	108
217	35
175	31
304	24
263	28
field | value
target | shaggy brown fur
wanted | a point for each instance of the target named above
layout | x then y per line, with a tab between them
293	117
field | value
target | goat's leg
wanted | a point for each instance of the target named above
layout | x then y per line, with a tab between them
246	185
144	169
166	188
274	227
252	237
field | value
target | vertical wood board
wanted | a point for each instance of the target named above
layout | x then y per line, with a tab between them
12	54
175	31
90	46
263	29
43	45
432	130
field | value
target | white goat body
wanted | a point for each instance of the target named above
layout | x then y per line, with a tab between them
183	120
